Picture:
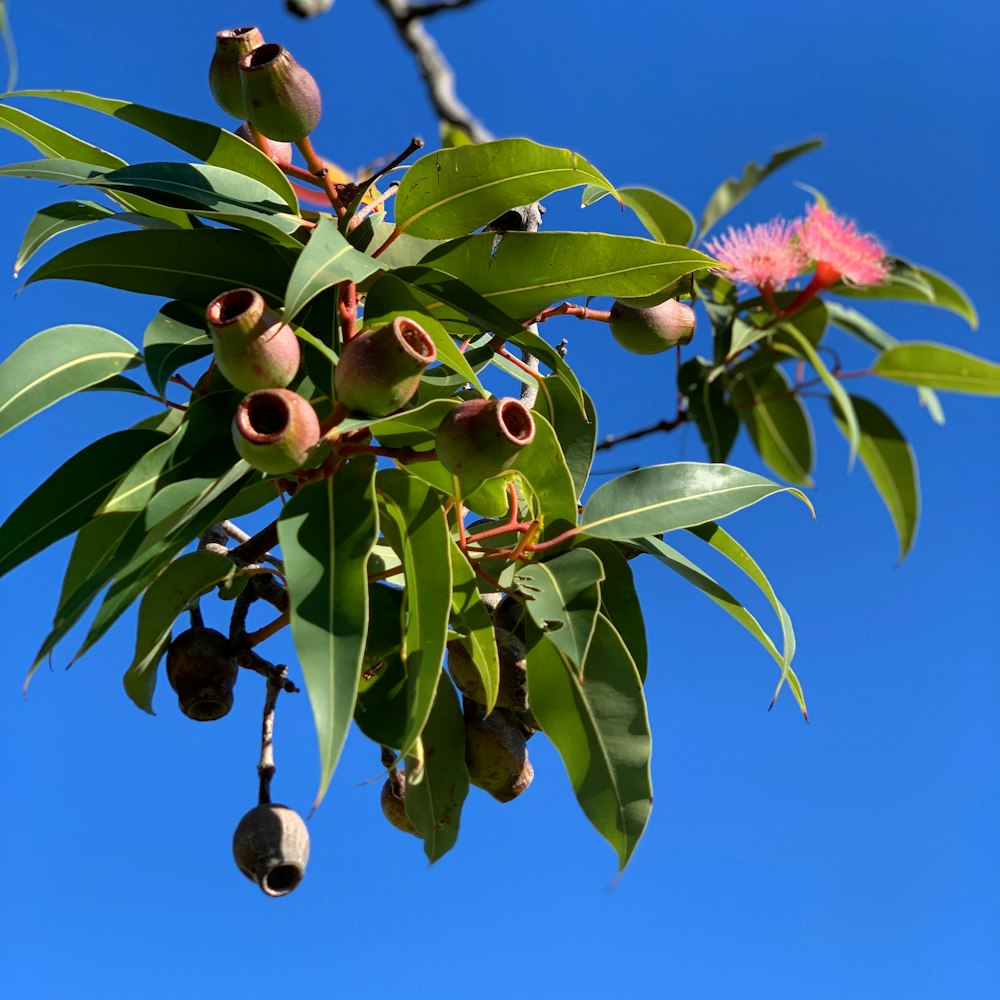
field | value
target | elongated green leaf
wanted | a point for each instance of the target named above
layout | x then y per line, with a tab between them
724	543
707	404
71	495
530	271
664	219
327	532
327	260
62	171
939	367
911	283
619	601
601	730
777	423
469	614
426	547
564	599
193	265
436	792
576	430
544	466
733	190
837	391
892	466
450	192
207	142
183	582
666	497
860	326
175	338
56	363
52	221
53	142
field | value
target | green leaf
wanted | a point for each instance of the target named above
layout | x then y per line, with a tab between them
426	550
326	532
544	466
71	495
708	406
327	260
53	142
469	614
619	601
777	423
193	265
452	191
56	363
530	271
837	391
666	497
63	171
576	430
170	595
733	190
601	730
438	783
664	219
52	221
381	709
174	338
911	283
209	143
892	466
939	367
564	599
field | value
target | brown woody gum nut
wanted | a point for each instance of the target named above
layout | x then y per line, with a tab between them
271	847
512	691
496	755
394	803
202	671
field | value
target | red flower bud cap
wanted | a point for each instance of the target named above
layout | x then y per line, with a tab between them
276	150
379	370
275	430
481	438
654	329
281	98
224	72
253	348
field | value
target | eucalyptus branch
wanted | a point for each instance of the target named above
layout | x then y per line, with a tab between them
266	768
662	425
438	76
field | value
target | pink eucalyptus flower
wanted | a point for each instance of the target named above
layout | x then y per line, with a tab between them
839	250
766	256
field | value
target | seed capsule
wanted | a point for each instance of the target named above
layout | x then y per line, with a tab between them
271	847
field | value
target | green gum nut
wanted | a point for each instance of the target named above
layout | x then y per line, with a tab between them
202	670
281	98
652	329
275	430
253	348
482	437
224	72
379	370
271	847
281	151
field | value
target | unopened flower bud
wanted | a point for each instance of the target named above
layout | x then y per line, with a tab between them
482	437
224	72
281	98
281	151
275	430
653	329
271	847
379	370
253	348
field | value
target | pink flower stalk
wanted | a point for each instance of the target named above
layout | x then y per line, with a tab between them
766	256
839	250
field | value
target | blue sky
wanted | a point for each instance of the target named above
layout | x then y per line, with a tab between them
852	857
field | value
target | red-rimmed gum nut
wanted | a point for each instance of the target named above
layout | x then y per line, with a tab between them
281	151
202	670
281	97
394	803
274	430
271	847
224	72
253	348
654	329
496	755
482	437
379	370
513	688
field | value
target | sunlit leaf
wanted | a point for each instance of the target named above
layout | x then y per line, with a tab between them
938	367
469	614
708	406
175	337
664	219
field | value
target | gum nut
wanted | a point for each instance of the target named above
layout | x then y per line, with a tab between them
281	97
482	437
271	847
379	370
513	689
275	430
253	348
202	670
496	755
654	329
394	803
276	150
224	72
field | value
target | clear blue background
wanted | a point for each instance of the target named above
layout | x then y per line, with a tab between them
855	857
